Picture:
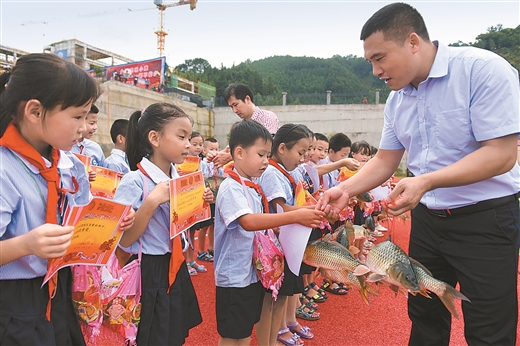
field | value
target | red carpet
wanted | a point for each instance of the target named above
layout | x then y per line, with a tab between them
345	320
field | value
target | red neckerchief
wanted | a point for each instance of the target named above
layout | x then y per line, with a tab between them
14	141
233	175
176	258
276	165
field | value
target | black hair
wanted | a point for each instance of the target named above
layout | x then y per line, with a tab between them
195	134
373	150
289	134
339	141
119	127
245	133
320	137
360	147
211	140
240	91
94	109
47	78
154	118
397	21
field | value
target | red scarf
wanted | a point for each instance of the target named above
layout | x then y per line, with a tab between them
176	258
233	175
276	165
14	141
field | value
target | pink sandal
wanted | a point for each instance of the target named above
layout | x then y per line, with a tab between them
305	332
294	340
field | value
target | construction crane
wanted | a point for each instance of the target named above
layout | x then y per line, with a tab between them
161	34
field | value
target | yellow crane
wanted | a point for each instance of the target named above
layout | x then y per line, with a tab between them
161	34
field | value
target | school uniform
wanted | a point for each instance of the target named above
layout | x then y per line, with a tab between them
208	171
329	179
117	161
239	292
276	185
23	302
92	150
165	318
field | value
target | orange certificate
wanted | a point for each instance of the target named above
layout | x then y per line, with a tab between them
86	160
303	197
96	234
345	173
190	165
187	206
106	182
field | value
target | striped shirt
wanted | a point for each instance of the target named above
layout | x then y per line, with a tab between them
23	200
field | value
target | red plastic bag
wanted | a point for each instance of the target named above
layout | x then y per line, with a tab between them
268	259
107	302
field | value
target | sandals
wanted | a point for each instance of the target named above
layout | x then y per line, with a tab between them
320	291
305	313
310	304
315	298
304	332
198	267
340	290
192	271
205	256
294	340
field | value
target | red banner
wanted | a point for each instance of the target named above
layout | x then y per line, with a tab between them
147	74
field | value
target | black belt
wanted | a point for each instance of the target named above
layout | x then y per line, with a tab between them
475	208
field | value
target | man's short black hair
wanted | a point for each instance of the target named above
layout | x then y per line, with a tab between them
339	141
119	127
240	91
397	21
245	133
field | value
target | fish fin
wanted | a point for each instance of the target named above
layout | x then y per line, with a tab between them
448	299
361	270
370	289
364	293
327	237
374	277
353	250
419	264
425	293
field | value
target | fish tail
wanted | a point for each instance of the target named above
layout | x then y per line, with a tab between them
448	299
364	293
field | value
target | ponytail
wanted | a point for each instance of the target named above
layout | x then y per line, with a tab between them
134	143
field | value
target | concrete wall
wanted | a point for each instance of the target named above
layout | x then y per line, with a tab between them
358	121
120	100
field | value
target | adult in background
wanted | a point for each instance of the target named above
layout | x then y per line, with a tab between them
456	112
240	98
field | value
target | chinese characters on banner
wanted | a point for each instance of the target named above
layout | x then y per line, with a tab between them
187	206
96	234
147	74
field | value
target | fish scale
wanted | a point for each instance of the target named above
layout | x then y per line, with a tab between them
331	255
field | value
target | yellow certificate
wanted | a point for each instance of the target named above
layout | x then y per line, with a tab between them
303	197
106	182
187	206
96	234
190	165
345	173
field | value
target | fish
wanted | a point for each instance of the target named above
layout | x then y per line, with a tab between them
390	264
446	293
349	279
332	255
370	223
365	197
214	183
360	232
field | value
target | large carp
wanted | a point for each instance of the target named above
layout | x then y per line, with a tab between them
332	255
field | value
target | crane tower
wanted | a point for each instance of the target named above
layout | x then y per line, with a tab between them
161	33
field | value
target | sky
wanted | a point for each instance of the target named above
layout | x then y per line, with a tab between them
228	32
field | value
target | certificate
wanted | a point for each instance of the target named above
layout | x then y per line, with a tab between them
106	182
86	160
187	205
303	197
96	234
345	173
190	165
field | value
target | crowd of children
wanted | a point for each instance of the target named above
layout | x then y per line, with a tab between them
40	128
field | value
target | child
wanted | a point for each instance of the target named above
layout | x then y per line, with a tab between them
117	160
290	145
157	139
196	142
240	208
212	175
87	147
42	114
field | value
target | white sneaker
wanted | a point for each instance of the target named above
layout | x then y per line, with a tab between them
381	228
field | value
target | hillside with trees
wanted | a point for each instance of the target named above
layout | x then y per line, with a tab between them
307	79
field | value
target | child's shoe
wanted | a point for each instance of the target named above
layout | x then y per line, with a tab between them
198	267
